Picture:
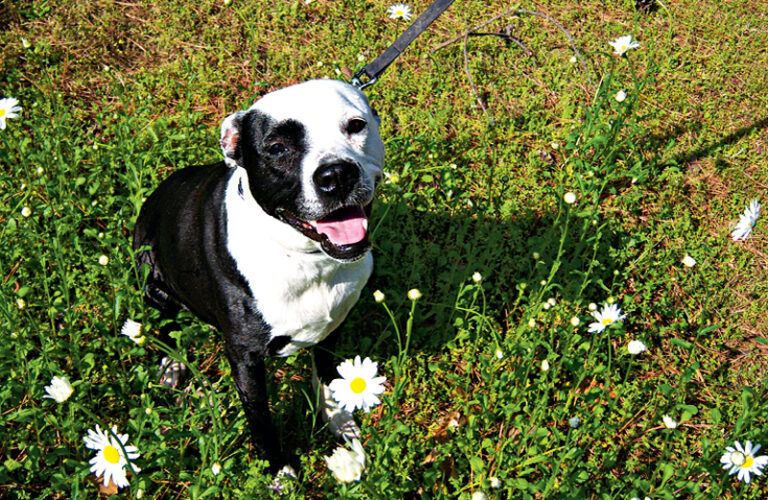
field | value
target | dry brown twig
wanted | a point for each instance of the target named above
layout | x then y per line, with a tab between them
507	36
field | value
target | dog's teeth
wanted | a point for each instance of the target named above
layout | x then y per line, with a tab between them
365	224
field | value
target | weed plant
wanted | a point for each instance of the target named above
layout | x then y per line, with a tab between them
516	204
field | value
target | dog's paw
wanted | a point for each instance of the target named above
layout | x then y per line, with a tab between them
283	479
171	373
341	422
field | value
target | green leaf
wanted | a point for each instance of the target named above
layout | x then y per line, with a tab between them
681	343
667	471
12	465
477	464
707	329
715	416
687	412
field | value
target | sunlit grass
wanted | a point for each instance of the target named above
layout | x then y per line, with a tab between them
517	220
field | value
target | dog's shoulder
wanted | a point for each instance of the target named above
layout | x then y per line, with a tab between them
183	196
188	184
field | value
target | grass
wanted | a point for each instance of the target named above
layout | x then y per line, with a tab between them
483	140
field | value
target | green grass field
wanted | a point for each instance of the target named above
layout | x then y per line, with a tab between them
484	138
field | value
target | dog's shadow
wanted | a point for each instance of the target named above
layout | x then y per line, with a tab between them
439	254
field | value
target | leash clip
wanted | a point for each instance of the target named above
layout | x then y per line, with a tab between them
357	80
373	70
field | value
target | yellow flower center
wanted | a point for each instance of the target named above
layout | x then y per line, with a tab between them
2	112
748	462
606	321
111	454
357	385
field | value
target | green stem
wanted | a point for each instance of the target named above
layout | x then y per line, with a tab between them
212	402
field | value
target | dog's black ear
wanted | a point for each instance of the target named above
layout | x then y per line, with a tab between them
230	138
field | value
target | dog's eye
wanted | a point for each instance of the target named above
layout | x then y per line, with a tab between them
276	149
355	126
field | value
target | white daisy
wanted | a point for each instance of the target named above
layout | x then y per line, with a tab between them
132	330
9	108
379	296
669	422
743	460
545	366
574	422
747	221
60	389
399	11
109	462
103	260
609	314
636	347
620	96
347	465
623	44
477	277
358	386
570	197
688	261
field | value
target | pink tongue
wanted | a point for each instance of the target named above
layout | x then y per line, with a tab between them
343	227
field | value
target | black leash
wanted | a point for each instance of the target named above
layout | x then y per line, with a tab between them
372	71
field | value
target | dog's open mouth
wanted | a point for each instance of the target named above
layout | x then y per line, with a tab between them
346	226
342	234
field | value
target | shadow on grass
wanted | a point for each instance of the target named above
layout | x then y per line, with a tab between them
657	143
438	253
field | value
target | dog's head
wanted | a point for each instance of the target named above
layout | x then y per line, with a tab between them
313	156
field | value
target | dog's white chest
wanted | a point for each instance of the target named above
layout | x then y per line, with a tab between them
300	293
308	300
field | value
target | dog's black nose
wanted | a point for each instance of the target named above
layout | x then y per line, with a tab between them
337	178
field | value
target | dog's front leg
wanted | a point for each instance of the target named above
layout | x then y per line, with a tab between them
249	374
340	422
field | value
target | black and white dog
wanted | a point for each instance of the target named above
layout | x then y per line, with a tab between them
270	246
